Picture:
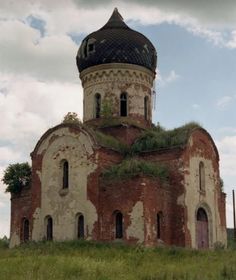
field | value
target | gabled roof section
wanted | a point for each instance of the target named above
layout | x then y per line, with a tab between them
73	127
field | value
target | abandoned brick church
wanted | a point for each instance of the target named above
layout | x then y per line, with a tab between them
116	176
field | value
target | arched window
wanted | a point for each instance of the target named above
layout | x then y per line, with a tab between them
97	105
123	105
65	183
49	228
25	230
201	176
119	225
146	107
159	225
80	226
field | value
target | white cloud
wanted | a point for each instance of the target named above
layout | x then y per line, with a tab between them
166	80
200	21
8	155
30	107
4	208
223	102
227	150
232	40
22	50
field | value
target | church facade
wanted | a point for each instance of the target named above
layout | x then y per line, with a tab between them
116	177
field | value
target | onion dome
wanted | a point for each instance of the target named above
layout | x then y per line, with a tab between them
115	42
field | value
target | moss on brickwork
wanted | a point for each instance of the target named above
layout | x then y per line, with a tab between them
105	122
110	142
158	138
129	168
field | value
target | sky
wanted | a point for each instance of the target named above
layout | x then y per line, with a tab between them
39	81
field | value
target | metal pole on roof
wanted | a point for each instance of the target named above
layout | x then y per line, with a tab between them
234	217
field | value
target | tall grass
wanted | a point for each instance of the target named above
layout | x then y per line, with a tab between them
90	261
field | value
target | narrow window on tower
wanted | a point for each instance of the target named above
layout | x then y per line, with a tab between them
80	226
65	175
97	105
123	105
119	225
146	107
201	176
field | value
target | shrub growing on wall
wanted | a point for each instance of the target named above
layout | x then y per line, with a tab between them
16	176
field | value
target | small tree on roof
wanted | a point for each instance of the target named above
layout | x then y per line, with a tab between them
71	117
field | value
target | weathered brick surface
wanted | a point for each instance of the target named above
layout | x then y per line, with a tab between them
140	199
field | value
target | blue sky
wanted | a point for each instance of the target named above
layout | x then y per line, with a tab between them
39	82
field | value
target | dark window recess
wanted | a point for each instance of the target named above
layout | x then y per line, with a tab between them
85	49
49	229
80	230
201	215
123	105
65	175
159	222
146	107
91	47
201	176
119	225
97	105
25	230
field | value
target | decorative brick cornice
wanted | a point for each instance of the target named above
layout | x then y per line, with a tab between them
117	72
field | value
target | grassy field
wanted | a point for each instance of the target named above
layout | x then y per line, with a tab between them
88	261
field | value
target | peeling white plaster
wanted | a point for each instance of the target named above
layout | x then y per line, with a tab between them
136	228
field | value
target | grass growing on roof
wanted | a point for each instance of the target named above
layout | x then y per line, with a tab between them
131	167
111	142
159	138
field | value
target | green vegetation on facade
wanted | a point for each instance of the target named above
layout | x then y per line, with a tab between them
132	167
93	261
110	142
151	140
17	176
158	138
72	117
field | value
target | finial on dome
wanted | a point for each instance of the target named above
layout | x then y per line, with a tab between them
115	21
116	15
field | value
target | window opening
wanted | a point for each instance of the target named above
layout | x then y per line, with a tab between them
49	228
97	105
119	225
91	47
201	176
25	230
65	174
146	107
123	105
80	229
159	225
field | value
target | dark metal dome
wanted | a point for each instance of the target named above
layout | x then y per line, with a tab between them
115	42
